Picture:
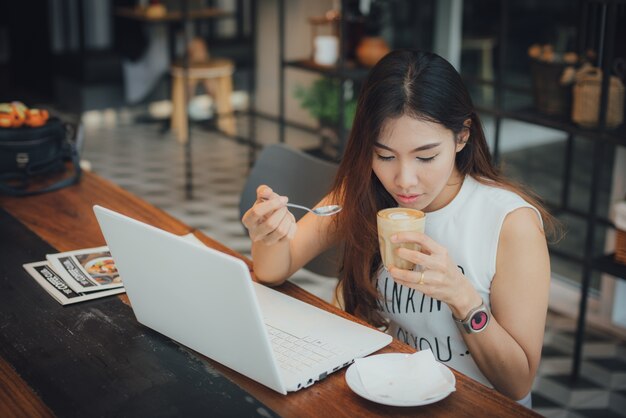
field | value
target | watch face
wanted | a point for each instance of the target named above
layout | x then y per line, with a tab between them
479	320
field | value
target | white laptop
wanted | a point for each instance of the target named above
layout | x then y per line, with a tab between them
207	301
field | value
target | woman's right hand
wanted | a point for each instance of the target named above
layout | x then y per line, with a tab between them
268	220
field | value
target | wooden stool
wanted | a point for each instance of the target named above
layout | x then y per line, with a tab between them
217	78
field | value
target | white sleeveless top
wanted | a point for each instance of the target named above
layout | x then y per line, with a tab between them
469	227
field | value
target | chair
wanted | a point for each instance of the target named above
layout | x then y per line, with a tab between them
304	179
216	75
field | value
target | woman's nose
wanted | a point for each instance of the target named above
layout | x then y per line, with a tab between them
406	178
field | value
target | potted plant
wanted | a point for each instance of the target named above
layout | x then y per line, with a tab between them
321	99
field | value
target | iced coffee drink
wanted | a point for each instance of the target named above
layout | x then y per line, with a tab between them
390	222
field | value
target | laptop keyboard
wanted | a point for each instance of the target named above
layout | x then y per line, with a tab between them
299	354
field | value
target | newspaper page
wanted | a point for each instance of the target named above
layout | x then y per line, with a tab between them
58	288
86	270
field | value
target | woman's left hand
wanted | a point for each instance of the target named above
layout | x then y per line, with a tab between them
439	277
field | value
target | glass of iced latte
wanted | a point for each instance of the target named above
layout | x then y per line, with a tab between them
391	221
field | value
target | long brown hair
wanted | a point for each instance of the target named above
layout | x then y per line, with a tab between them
424	86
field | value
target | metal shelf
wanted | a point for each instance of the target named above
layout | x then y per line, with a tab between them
350	70
343	70
607	264
615	136
606	29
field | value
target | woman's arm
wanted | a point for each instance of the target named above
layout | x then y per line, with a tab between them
280	246
509	352
509	349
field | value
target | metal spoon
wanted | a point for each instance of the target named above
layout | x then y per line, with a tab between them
320	211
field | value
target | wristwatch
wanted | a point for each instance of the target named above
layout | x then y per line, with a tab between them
475	321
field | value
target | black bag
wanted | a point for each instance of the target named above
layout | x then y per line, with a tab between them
29	155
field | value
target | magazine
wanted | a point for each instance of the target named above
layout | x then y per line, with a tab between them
75	276
86	270
58	288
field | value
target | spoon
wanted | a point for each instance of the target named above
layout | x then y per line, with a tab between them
320	211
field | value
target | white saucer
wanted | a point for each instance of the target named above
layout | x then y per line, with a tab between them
354	382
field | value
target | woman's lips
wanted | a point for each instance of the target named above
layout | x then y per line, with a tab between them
403	198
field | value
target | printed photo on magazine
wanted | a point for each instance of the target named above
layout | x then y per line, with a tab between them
86	270
58	288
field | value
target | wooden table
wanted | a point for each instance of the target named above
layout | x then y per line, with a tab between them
65	220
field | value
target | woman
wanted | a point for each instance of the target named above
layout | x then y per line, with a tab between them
417	142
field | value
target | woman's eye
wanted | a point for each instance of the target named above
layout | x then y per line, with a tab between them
384	157
426	159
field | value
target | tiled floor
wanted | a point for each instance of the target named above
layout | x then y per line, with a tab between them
149	163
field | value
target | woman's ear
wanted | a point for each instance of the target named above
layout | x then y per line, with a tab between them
464	135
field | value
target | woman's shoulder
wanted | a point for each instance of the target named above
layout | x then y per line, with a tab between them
494	194
501	202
